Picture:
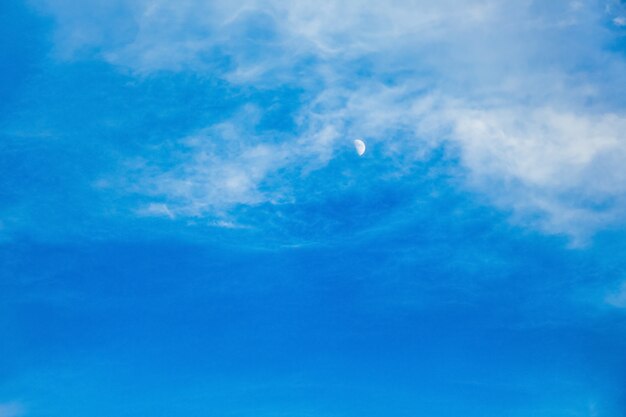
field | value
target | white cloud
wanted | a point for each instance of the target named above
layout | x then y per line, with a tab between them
523	90
226	165
557	169
563	166
261	36
619	21
230	164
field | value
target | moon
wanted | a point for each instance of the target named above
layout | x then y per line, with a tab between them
359	145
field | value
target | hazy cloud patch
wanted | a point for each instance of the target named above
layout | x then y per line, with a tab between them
12	409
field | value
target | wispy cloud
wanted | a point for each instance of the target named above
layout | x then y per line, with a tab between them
226	165
617	298
12	409
523	91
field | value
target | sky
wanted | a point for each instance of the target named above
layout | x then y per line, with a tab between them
187	230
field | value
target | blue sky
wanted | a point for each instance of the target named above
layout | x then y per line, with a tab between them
187	230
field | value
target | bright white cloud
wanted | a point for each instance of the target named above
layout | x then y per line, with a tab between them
565	166
523	90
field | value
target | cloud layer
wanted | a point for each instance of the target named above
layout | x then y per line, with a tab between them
522	94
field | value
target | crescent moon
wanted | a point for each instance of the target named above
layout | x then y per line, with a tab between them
359	145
